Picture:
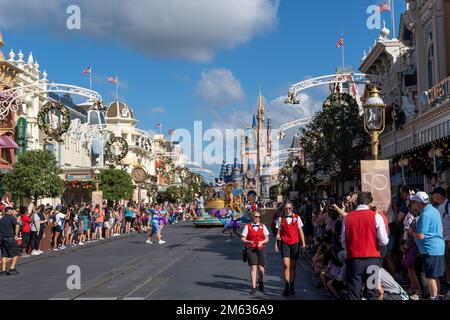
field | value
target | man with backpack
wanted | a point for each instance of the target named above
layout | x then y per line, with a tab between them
443	205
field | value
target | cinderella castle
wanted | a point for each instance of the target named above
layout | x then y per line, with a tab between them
252	171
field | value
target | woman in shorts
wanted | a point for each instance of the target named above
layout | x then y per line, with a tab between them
255	236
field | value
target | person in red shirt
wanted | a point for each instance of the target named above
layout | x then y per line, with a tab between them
26	229
255	236
292	240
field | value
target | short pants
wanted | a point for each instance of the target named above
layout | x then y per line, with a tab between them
290	251
256	257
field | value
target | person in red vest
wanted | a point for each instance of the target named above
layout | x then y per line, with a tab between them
363	233
292	240
255	236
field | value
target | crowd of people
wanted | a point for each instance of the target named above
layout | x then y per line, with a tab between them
409	245
22	229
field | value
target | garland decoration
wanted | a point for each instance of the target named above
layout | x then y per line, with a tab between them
108	149
48	128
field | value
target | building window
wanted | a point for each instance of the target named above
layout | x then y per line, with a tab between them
430	66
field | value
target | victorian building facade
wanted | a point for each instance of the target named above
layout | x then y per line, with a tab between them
417	68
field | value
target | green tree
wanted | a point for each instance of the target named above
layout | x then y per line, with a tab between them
35	175
116	184
335	140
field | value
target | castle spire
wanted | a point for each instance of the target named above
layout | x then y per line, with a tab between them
260	101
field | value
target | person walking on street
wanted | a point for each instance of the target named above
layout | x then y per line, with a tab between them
9	232
428	234
292	240
363	232
255	236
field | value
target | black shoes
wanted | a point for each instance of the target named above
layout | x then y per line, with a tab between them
253	291
286	292
3	273
13	272
292	290
261	286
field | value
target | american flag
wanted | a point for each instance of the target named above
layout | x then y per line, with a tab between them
113	79
158	125
171	132
340	42
385	7
87	70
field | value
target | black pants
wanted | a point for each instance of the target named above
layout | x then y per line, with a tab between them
25	240
33	237
356	274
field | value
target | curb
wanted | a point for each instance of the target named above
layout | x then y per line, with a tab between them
51	253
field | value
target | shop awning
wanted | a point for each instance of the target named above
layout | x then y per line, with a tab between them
9	143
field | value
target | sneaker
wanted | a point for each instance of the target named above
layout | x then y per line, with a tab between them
253	291
34	253
148	242
55	249
40	251
81	244
63	247
25	255
3	273
13	272
161	242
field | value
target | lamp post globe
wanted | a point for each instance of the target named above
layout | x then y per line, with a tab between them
374	118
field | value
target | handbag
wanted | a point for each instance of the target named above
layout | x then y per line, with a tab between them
409	258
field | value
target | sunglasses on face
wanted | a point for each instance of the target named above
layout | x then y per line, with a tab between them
257	217
288	208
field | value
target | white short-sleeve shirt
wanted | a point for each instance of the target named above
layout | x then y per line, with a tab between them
289	221
245	231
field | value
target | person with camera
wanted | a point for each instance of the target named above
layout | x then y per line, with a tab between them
255	236
291	240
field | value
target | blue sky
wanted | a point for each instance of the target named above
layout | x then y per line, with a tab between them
169	74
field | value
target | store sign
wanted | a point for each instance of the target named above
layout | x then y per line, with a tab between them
436	95
79	177
97	198
375	178
21	135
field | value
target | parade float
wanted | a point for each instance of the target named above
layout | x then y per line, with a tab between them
223	204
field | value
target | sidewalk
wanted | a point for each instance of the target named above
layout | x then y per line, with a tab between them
51	253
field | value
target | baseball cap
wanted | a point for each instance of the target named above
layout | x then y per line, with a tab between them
440	191
421	197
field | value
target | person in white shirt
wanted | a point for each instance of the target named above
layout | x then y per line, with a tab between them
440	198
255	236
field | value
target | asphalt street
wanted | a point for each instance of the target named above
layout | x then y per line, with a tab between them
194	264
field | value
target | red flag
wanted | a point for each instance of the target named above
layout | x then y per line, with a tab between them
340	42
384	7
113	79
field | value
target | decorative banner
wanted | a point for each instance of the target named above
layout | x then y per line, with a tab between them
21	135
375	178
97	198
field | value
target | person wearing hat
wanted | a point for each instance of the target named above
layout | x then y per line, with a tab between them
443	205
428	234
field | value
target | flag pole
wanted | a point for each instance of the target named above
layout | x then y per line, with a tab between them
117	88
392	5
343	45
90	79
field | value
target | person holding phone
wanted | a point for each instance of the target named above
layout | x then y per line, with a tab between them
255	236
290	241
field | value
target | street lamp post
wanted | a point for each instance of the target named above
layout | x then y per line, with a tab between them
374	119
97	178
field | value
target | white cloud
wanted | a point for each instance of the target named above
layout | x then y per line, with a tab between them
219	87
160	110
193	29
